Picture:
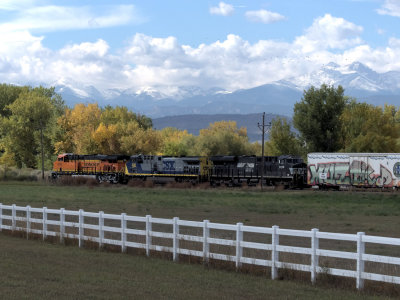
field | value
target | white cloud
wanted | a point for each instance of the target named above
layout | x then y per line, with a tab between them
328	32
164	64
263	16
53	18
15	4
222	9
391	8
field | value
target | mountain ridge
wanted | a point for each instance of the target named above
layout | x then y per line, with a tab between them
279	97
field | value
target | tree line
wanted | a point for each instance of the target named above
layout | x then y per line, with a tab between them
36	123
326	120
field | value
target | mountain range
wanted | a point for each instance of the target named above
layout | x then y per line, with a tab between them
279	97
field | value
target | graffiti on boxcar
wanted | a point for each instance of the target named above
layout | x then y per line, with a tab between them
342	173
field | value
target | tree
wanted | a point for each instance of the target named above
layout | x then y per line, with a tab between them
29	129
175	142
121	114
317	117
223	138
78	126
90	129
8	94
107	138
282	140
369	128
136	140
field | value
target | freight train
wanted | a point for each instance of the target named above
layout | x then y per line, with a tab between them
286	170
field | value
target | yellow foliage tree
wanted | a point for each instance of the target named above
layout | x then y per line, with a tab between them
175	142
79	125
107	138
223	138
135	140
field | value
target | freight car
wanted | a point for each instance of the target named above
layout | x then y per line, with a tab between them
343	170
103	168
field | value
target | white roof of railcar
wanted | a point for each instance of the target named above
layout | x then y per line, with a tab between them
344	155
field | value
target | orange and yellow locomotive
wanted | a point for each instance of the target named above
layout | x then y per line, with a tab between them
104	168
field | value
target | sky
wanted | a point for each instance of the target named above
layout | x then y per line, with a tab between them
164	45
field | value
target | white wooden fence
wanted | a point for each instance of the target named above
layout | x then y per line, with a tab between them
39	220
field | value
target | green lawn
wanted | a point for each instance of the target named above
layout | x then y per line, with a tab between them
32	267
376	213
38	270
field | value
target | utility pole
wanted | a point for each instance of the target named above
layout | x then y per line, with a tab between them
42	150
264	128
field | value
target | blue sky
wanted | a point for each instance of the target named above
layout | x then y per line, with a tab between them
163	45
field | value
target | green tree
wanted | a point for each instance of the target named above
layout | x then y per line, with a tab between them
8	94
317	117
282	139
369	128
29	128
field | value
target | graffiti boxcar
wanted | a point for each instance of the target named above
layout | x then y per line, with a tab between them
354	169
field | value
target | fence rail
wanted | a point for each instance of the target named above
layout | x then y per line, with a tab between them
140	232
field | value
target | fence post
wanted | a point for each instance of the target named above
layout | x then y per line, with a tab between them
1	216
175	255
206	246
148	234
62	226
44	227
28	221
13	213
101	231
360	261
274	253
123	234
80	228
239	250
314	256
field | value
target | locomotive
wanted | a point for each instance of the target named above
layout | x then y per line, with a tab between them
103	168
289	171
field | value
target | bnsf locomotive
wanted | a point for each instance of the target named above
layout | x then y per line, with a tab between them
289	171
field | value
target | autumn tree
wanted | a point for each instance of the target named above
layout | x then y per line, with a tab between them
282	139
136	140
121	114
369	128
317	117
223	138
176	142
78	126
90	129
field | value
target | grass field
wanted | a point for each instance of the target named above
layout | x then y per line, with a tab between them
37	270
374	213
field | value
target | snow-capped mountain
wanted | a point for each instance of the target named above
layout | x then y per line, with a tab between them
358	80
